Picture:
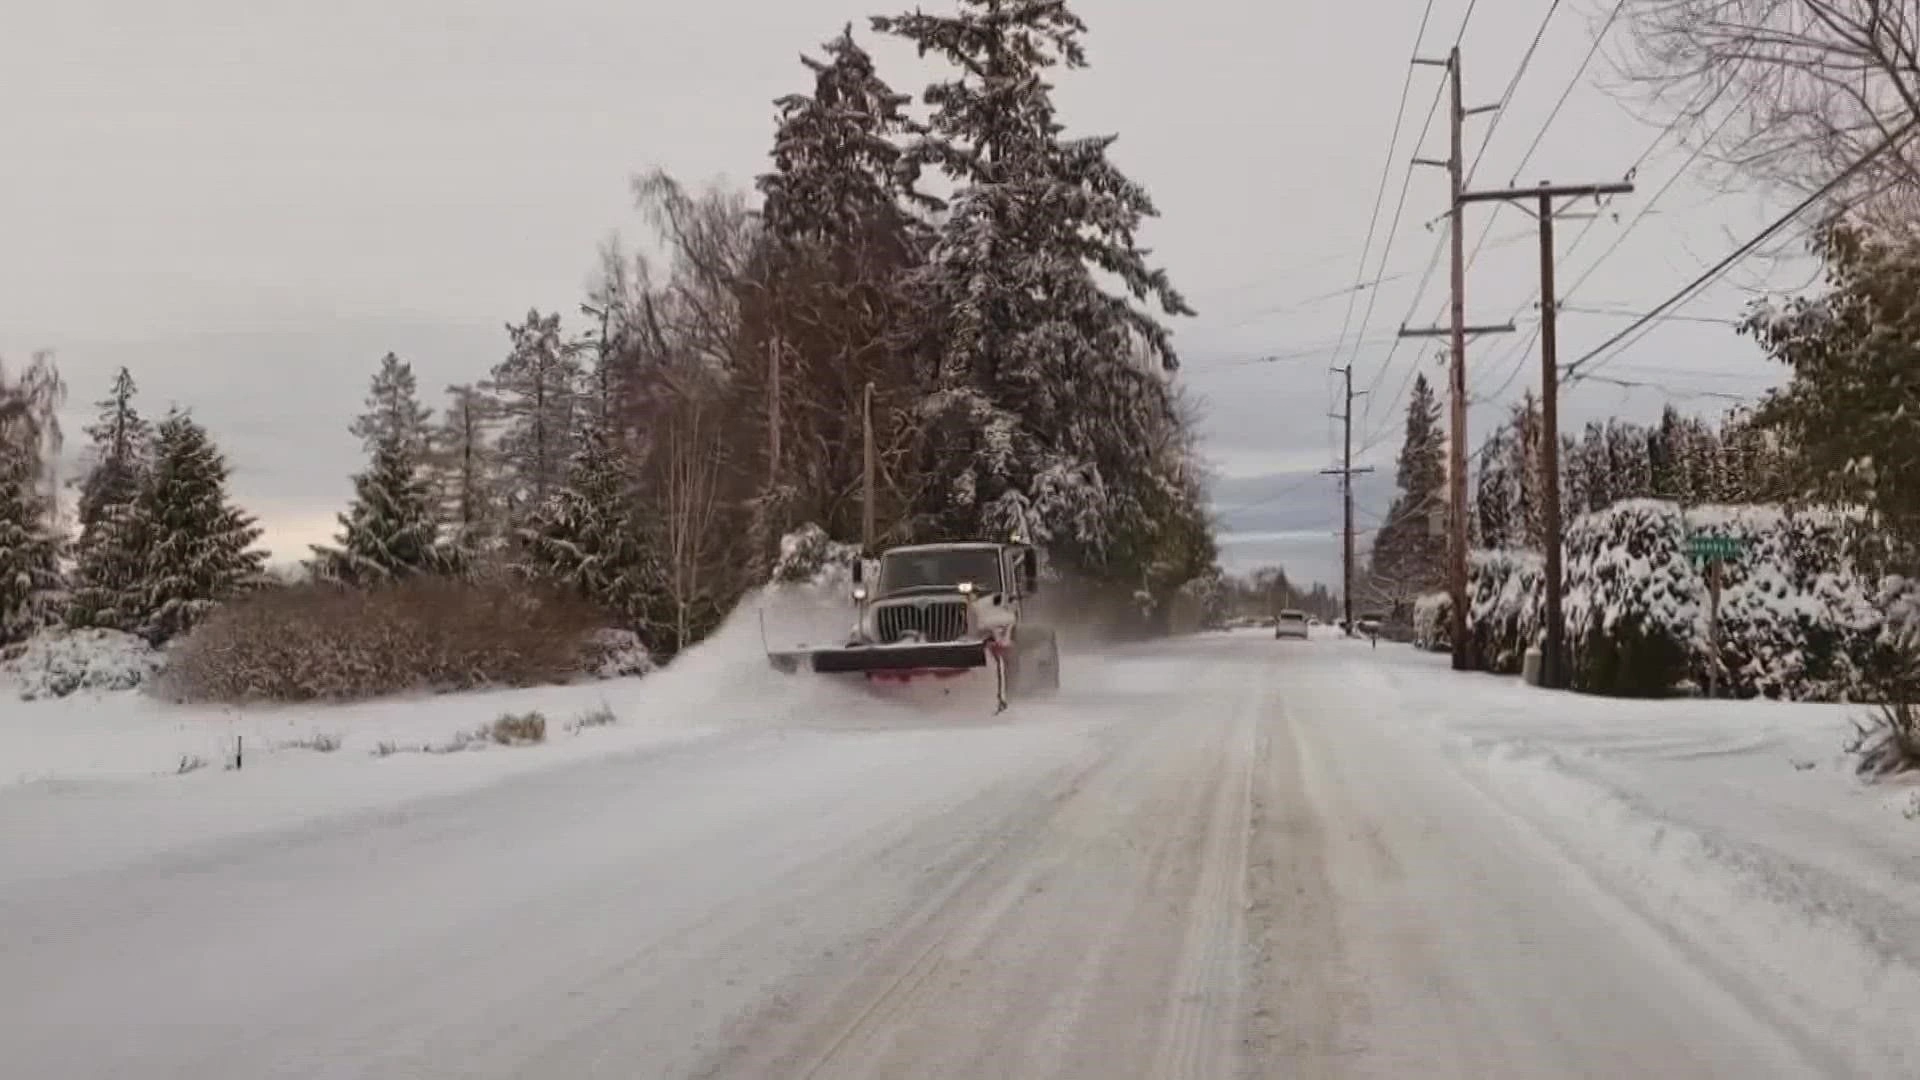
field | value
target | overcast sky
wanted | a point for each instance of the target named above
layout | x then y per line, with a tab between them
248	202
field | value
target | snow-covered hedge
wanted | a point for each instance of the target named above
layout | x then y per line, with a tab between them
56	663
1505	592
1798	620
1633	603
324	642
1433	622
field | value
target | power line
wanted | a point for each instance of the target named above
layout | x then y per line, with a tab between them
1304	352
1506	96
1516	358
1647	207
1386	171
1599	355
1621	312
1406	185
1268	500
1573	83
1682	393
1320	298
1505	99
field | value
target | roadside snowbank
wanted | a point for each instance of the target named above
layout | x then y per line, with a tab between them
61	662
94	780
1739	827
126	735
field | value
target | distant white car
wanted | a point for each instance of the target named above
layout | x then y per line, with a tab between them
1290	624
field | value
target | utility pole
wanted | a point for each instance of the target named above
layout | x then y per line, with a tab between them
867	470
1552	674
1346	472
1457	371
773	417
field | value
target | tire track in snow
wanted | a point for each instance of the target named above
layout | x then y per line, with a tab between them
1106	941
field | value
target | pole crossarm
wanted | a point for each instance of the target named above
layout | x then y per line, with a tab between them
1443	331
1550	191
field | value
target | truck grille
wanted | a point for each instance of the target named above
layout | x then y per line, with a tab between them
937	620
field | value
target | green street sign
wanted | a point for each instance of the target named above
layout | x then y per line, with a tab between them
1713	547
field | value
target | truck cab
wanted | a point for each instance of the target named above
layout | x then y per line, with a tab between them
944	592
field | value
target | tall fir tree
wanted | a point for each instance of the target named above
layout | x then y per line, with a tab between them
389	531
1493	494
117	457
840	244
1524	468
1049	389
195	548
591	539
1409	551
393	410
536	392
463	470
109	569
30	584
838	173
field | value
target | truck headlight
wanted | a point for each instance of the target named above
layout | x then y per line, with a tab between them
966	588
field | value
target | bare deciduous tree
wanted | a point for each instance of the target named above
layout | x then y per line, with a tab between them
30	414
1794	92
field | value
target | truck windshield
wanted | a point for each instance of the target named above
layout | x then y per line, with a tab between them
944	569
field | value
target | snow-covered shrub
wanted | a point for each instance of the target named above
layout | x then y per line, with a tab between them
808	556
1632	603
1433	622
519	729
615	653
601	715
60	662
1199	604
1505	590
1796	620
324	642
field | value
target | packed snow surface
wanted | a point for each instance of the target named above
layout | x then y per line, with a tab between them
1223	855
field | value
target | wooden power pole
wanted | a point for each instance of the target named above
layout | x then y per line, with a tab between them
1457	331
1346	472
1552	674
867	470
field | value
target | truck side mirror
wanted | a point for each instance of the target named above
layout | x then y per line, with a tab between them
1030	571
859	569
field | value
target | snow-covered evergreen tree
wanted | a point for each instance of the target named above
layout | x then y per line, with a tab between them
838	174
1049	389
1525	464
835	309
1494	494
109	566
590	538
389	531
30	584
116	460
1410	550
195	548
463	470
393	410
1629	463
536	392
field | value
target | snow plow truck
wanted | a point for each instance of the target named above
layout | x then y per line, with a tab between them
946	618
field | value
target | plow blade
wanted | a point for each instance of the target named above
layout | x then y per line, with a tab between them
957	656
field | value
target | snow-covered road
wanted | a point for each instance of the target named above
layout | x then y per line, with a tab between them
1219	857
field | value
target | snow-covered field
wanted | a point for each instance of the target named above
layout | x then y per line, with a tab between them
1213	856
